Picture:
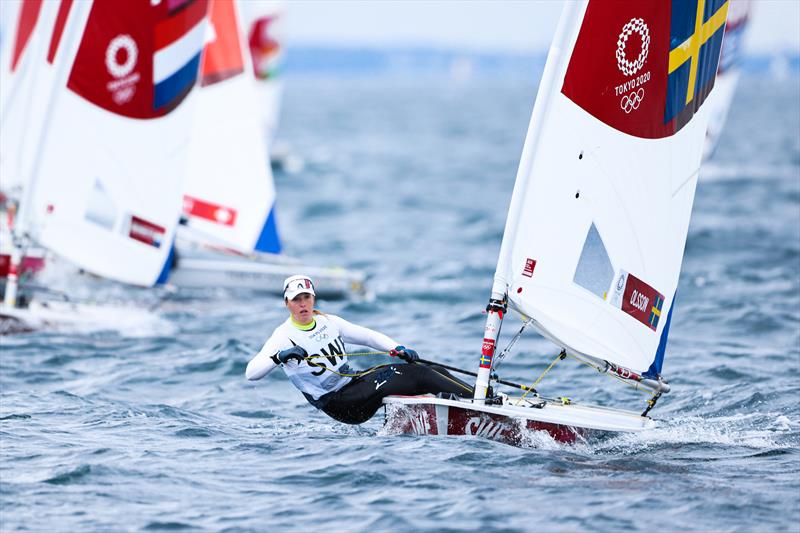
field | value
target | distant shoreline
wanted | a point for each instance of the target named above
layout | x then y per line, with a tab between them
371	62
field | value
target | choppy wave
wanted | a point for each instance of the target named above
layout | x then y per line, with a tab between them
129	427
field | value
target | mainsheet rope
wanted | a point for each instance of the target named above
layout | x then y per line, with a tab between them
373	369
528	389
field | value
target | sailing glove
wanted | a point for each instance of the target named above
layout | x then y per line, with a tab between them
406	354
295	352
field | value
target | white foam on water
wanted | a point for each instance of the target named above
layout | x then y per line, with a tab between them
128	320
716	172
539	440
740	430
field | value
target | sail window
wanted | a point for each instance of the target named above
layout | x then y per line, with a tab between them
594	271
100	208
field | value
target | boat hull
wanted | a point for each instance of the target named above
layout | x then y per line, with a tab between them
508	423
198	266
31	264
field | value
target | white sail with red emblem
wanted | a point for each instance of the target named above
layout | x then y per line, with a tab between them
263	20
229	192
106	187
27	46
595	234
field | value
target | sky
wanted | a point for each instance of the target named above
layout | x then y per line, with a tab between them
502	25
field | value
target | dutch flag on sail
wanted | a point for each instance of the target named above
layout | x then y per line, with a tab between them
178	45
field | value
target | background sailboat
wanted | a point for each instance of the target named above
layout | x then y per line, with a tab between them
720	100
595	234
103	172
230	238
22	47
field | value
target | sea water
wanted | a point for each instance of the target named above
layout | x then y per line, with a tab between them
131	429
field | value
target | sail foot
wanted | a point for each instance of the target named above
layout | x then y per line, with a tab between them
658	385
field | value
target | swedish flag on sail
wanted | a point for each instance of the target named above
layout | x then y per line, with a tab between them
655	312
696	33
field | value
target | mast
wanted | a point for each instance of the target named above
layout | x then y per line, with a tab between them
76	16
497	307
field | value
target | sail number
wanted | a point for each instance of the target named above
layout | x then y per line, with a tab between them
639	300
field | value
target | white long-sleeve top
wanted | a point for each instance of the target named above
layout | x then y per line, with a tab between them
326	337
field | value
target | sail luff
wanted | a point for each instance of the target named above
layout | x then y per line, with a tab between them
571	14
76	21
20	121
497	303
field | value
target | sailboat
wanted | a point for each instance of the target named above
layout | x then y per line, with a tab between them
18	19
720	100
103	160
264	22
596	229
230	237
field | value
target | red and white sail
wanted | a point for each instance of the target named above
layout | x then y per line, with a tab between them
106	186
26	80
229	192
596	230
263	20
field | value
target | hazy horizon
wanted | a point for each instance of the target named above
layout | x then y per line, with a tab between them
503	26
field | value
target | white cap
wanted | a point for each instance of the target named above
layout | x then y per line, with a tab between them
299	284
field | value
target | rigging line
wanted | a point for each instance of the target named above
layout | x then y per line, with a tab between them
423	361
355	375
373	369
650	403
511	343
625	381
558	358
356	354
473	374
40	288
448	378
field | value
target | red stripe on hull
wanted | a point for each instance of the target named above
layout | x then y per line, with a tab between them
30	265
421	419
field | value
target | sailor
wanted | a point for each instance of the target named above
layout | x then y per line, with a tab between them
310	346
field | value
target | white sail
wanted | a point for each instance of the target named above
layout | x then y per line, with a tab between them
9	30
720	100
263	20
106	187
596	230
27	77
229	192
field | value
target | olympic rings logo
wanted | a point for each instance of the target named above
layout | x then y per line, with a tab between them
121	42
635	25
629	102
